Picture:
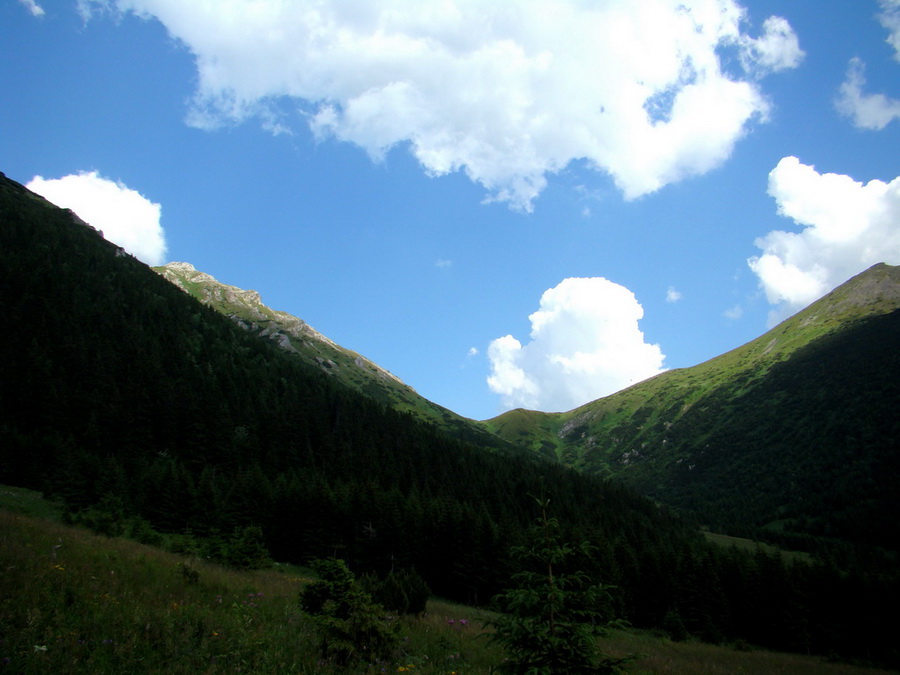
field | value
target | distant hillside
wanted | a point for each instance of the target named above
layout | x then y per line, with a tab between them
299	338
793	435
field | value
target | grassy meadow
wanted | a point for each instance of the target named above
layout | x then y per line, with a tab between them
72	601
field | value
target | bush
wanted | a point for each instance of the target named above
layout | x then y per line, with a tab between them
674	626
402	591
243	549
143	533
351	627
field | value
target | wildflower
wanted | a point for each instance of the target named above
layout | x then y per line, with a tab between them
463	622
40	648
215	633
451	622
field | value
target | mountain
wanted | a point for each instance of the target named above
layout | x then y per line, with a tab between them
144	411
121	393
246	309
792	436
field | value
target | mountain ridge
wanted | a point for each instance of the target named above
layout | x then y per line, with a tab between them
294	335
626	435
872	292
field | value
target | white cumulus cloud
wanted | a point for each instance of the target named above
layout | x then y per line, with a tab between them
845	227
507	92
585	343
125	217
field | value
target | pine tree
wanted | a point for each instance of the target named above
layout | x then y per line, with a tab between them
553	616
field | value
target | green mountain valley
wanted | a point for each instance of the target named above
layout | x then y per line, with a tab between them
220	435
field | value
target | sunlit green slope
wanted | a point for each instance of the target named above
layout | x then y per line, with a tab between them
794	432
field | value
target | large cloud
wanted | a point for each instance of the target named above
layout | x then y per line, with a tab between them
585	343
871	111
846	226
124	216
505	91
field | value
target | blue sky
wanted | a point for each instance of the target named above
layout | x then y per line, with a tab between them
504	204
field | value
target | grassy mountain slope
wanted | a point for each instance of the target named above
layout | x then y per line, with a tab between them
75	602
793	432
245	307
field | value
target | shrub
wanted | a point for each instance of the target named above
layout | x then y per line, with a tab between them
351	627
402	591
243	549
674	626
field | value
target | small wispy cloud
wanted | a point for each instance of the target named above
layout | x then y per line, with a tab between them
734	313
443	263
871	111
33	7
866	111
473	351
890	19
673	295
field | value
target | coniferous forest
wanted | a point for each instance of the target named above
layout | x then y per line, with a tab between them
121	395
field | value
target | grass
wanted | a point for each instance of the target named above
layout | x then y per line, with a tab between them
659	655
74	602
727	541
21	500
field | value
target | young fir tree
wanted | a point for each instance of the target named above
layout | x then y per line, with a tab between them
552	617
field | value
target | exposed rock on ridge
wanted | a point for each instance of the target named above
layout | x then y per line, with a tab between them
245	307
